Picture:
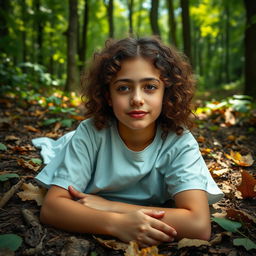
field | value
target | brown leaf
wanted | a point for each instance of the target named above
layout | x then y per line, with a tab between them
28	164
11	138
240	216
248	185
31	128
186	242
240	160
200	138
112	243
31	192
218	238
229	117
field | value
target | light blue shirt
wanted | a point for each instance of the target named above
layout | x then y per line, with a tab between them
98	162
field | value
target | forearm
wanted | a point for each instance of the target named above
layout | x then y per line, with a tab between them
184	221
69	215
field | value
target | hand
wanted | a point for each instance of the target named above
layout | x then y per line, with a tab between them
92	201
144	227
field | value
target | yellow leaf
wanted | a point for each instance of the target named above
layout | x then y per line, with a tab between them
31	192
237	158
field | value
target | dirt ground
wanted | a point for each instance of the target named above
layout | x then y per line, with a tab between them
21	122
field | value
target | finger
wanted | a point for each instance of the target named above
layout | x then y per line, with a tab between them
165	228
160	236
148	241
153	213
75	193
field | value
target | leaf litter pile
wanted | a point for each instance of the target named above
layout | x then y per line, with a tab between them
225	131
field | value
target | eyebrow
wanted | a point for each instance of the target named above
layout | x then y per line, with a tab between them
146	79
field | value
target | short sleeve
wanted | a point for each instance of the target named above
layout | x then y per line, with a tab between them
73	164
187	170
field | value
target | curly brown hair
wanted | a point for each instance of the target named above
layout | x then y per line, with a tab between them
175	72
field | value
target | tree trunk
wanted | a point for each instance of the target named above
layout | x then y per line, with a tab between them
139	18
250	53
24	33
110	7
186	28
72	71
83	47
171	23
227	28
154	17
130	8
4	11
39	28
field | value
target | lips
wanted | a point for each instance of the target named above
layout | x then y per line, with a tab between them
137	114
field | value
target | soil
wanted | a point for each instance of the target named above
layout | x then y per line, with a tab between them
21	122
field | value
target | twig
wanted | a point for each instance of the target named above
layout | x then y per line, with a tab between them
7	195
36	250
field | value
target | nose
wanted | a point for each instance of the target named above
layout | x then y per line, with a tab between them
137	99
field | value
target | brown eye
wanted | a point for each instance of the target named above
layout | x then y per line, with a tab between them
123	88
150	87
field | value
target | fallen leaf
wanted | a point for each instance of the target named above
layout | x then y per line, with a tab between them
28	164
31	192
248	185
245	242
186	242
133	250
205	151
228	225
200	138
31	128
11	138
229	117
218	238
240	160
112	243
241	216
218	173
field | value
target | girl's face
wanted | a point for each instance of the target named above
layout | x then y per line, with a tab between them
136	95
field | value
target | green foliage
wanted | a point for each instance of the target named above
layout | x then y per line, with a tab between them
233	226
3	147
7	176
10	241
36	161
228	225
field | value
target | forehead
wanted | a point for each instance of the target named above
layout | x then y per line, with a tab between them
137	68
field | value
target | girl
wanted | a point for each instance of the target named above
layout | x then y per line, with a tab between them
134	153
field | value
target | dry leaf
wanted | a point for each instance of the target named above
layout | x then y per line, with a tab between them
248	185
218	238
32	192
240	216
31	128
205	151
240	160
112	243
133	250
186	242
28	164
218	173
229	117
11	138
201	138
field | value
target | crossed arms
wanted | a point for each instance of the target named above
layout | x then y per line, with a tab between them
146	225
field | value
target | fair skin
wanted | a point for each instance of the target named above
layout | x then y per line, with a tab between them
136	95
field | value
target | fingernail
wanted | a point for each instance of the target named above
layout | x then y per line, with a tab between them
160	212
174	233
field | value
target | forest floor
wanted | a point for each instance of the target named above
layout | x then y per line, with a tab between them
226	142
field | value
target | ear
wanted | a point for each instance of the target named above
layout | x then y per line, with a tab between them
108	98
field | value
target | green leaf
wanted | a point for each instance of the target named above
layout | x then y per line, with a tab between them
50	121
8	176
3	147
228	225
245	242
67	122
37	161
10	241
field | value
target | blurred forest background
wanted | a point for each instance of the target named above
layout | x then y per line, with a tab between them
45	44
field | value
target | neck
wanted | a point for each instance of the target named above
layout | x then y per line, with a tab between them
137	140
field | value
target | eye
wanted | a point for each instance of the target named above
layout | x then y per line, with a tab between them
123	88
150	87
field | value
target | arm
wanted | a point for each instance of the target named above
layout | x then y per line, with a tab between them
190	219
61	211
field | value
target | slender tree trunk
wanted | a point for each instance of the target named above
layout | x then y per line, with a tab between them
72	71
186	28
24	34
4	11
171	23
227	27
139	18
130	8
250	53
154	17
40	28
83	47
110	9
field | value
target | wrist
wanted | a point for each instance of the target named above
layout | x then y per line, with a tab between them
114	223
